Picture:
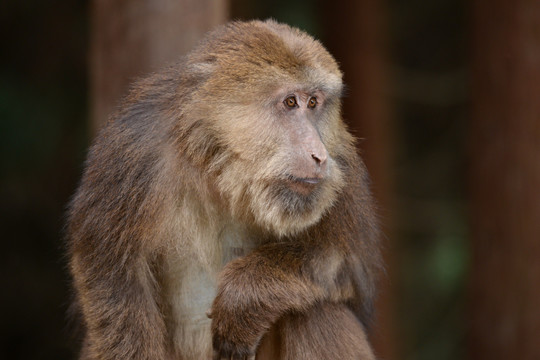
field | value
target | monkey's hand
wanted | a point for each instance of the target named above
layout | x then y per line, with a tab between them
237	326
253	293
228	340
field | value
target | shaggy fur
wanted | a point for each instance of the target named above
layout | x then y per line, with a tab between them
186	209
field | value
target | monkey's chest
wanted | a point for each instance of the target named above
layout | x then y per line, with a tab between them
192	277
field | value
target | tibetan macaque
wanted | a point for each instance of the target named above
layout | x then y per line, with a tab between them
224	213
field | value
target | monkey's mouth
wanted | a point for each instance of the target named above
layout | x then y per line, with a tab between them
303	185
313	181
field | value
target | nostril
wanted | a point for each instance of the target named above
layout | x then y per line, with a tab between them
318	159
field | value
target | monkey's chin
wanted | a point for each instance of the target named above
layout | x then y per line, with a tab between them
282	205
290	207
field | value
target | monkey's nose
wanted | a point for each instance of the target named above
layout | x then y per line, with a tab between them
320	158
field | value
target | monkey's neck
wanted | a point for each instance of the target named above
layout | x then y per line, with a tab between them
238	240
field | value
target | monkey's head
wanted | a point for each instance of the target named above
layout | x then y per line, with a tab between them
268	100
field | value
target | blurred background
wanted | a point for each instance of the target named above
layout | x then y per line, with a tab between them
444	95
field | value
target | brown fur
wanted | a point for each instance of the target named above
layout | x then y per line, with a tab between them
327	331
186	205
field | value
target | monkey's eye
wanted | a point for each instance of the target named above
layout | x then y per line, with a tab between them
290	101
312	103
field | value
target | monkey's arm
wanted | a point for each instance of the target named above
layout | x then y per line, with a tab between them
335	260
256	290
112	230
122	318
116	288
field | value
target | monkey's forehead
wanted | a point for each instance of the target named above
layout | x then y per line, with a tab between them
258	52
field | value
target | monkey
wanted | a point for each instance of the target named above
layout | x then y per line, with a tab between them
224	213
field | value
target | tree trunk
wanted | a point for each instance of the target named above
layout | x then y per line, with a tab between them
132	38
505	181
354	34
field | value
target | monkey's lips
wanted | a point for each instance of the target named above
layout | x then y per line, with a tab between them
303	185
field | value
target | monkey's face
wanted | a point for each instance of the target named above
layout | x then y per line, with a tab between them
282	172
271	101
307	162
